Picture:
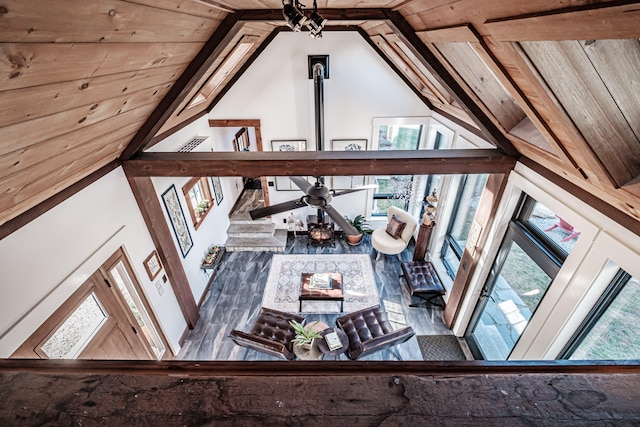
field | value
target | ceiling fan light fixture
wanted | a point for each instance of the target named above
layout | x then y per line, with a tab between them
295	19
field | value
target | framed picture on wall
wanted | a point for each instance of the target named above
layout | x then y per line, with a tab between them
290	145
152	265
349	144
178	221
217	189
348	182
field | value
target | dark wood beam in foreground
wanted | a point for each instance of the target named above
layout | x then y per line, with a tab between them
320	163
319	392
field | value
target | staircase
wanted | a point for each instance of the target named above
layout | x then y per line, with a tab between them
247	235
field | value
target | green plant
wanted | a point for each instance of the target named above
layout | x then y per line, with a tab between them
304	334
360	223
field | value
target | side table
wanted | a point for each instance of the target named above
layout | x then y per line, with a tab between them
324	348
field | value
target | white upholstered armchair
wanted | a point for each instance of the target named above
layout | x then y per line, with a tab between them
395	237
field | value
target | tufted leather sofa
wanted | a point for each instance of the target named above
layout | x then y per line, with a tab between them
271	333
423	282
369	331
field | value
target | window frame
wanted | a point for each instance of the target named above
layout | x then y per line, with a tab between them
207	194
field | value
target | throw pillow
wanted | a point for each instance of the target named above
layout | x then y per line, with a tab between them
395	227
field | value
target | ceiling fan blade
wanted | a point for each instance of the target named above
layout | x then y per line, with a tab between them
277	208
302	183
341	221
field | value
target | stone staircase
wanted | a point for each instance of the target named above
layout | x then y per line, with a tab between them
247	235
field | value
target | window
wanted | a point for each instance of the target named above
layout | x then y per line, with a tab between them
455	239
395	190
198	194
610	331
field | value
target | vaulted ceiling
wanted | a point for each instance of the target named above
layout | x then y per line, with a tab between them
86	84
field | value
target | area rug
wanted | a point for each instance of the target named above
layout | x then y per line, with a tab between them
440	347
283	283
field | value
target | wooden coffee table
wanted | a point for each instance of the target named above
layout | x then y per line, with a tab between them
334	293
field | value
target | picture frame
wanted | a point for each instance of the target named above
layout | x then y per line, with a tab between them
152	265
349	144
289	145
217	189
348	182
177	219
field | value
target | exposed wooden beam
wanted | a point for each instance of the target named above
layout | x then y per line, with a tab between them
43	207
598	22
181	88
320	163
407	393
162	237
359	14
402	28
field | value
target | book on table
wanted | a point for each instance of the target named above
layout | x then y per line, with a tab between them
320	281
333	340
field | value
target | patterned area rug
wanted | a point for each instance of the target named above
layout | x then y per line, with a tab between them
283	283
440	347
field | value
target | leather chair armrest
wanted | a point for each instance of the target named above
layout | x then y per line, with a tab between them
261	344
382	342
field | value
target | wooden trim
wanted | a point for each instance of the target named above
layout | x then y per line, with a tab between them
154	217
599	21
25	218
320	163
207	193
349	368
402	28
484	216
225	32
456	34
355	14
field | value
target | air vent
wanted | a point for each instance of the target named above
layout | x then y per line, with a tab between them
192	144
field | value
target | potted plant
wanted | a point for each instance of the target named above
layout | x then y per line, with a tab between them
361	225
304	334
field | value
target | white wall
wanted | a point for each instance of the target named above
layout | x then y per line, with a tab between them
45	261
277	90
213	229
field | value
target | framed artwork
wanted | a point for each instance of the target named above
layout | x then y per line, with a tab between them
348	182
292	145
152	265
349	144
217	189
178	221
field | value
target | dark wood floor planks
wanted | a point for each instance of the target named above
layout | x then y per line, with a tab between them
235	296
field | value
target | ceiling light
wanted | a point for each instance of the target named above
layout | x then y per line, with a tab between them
315	25
295	19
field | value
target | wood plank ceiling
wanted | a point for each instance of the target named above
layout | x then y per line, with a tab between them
86	84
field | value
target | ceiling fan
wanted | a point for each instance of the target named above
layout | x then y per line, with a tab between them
317	196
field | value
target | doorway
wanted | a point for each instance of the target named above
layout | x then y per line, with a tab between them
106	318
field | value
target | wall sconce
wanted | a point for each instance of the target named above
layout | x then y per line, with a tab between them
295	17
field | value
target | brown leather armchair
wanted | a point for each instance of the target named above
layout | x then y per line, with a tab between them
271	334
369	331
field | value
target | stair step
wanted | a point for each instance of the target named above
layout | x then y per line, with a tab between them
274	243
257	230
245	218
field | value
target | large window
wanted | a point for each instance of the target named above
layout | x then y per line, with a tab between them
527	262
610	331
395	190
464	211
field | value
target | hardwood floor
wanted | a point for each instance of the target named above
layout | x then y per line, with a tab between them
235	296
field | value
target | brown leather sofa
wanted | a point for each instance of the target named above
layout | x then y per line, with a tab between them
369	331
271	334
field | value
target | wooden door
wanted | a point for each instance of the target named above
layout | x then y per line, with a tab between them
91	324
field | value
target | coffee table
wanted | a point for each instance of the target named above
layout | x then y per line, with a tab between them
334	293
